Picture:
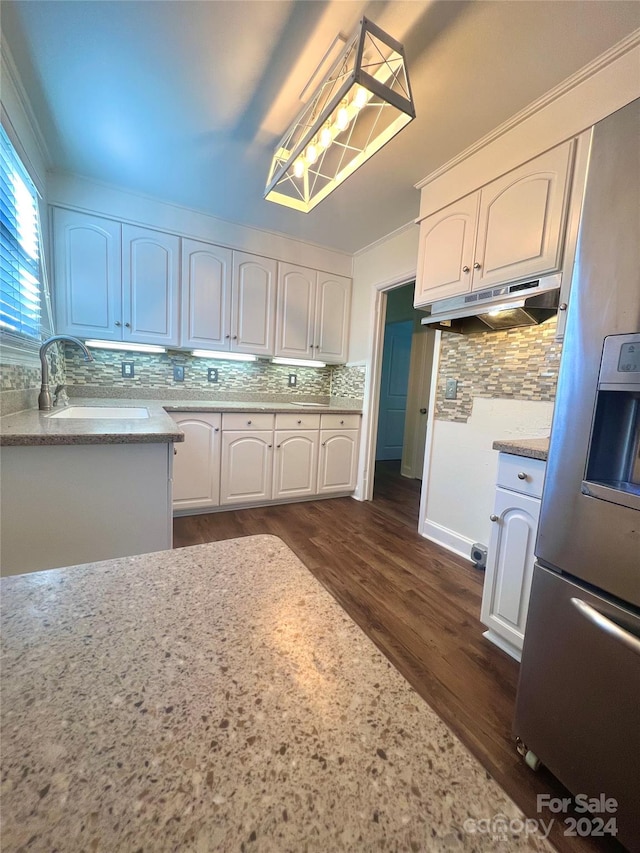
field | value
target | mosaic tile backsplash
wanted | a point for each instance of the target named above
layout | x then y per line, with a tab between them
236	380
20	385
519	364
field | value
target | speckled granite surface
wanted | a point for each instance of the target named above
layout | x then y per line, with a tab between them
34	428
532	448
217	698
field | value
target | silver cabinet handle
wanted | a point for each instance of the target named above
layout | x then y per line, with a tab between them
607	625
562	307
493	517
522	475
465	268
118	323
476	266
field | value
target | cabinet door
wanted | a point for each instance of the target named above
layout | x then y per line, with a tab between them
253	304
522	220
338	461
196	465
295	464
507	584
247	465
150	273
332	312
445	254
206	295
87	275
296	311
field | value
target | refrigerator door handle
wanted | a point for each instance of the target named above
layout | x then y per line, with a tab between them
607	625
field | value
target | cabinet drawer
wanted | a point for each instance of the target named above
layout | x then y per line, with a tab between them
246	420
521	474
340	421
295	421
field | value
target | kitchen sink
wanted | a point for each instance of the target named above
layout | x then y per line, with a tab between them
125	413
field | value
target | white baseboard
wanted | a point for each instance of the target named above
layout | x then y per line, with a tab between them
503	644
449	539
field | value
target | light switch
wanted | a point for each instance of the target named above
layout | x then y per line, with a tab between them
178	373
293	380
451	389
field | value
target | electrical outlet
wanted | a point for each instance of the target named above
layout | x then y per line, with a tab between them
212	374
451	390
178	373
293	380
128	370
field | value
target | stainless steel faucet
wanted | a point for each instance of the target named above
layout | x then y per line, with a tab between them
44	398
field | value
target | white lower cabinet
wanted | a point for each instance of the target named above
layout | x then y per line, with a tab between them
338	461
295	469
196	466
510	560
246	470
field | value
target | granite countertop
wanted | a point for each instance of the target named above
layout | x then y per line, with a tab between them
532	448
32	427
217	698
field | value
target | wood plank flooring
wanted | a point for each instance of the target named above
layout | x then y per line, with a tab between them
419	604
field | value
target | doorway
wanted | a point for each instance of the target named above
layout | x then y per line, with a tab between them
405	379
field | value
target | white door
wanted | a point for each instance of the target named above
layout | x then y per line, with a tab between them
196	466
394	381
150	283
522	220
247	466
338	459
507	584
332	312
206	295
87	275
295	471
445	254
253	310
296	311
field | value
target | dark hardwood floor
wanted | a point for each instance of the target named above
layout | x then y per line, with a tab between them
419	604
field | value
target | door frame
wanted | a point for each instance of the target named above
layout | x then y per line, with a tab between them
371	401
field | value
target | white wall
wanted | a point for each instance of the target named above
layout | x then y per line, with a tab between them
462	479
95	197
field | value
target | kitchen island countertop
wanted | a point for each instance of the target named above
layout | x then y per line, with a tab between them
32	427
217	698
531	448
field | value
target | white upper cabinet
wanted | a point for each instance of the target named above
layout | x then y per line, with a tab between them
296	311
87	275
446	249
510	230
206	295
313	314
253	304
333	310
150	285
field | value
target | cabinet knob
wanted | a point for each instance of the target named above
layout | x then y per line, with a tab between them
216	429
227	337
278	446
465	268
175	452
341	422
522	475
423	411
128	325
299	422
562	306
118	323
476	266
248	423
493	517
324	443
270	445
235	337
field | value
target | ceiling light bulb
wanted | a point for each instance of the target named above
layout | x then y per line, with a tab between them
342	119
298	168
361	98
326	136
311	153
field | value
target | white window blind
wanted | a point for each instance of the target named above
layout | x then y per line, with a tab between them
20	285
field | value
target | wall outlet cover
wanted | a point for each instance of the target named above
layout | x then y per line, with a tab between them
128	369
451	389
293	380
178	373
212	374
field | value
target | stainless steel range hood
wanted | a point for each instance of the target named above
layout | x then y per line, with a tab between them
503	307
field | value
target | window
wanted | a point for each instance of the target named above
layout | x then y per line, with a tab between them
20	270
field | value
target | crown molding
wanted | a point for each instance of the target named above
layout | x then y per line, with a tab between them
389	236
609	56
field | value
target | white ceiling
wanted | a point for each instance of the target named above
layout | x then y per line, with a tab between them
185	100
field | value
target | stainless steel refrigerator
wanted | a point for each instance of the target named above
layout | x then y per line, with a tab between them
578	704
